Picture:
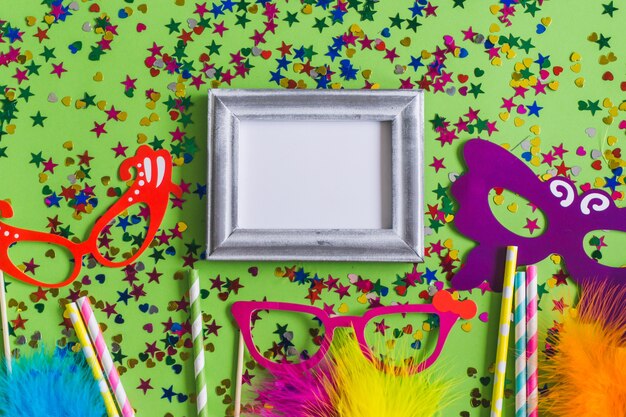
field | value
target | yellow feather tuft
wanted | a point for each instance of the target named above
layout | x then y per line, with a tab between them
359	387
585	368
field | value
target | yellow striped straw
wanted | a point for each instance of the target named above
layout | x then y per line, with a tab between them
71	311
503	331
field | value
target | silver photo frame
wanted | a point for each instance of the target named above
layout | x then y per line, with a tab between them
403	242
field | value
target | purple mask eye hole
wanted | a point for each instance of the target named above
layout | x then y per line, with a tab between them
286	336
516	213
402	339
598	244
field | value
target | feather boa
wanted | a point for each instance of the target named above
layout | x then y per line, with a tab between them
349	385
50	385
585	362
295	394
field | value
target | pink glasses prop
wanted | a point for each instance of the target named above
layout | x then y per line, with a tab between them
444	305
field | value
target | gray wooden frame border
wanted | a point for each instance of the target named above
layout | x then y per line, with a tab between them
404	242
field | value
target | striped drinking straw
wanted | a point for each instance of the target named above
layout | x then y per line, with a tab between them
198	343
503	331
71	311
519	317
532	390
104	356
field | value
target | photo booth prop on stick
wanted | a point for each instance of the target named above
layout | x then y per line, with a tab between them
570	217
152	186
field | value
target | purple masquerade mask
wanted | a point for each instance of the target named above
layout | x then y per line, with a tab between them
569	218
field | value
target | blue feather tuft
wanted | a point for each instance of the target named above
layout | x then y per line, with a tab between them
57	384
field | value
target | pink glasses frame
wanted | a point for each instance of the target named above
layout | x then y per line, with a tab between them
243	310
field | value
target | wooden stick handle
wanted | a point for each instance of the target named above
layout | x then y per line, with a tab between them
5	323
239	376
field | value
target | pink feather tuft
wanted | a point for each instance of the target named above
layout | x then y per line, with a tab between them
295	394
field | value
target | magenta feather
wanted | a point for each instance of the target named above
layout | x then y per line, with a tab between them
295	394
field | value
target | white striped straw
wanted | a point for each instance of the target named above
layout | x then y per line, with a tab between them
519	317
532	390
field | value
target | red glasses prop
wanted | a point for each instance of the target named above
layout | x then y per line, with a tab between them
152	186
444	305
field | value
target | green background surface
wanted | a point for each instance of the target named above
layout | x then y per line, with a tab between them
134	334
